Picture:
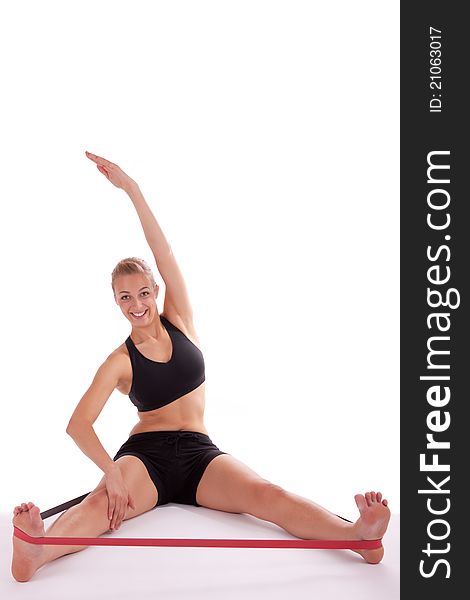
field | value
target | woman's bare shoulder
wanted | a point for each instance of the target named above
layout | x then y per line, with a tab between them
186	326
120	360
118	353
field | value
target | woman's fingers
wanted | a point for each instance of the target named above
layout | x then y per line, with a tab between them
91	156
114	519
113	172
121	519
118	520
102	170
111	510
99	160
123	511
117	516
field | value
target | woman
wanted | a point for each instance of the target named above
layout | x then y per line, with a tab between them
169	456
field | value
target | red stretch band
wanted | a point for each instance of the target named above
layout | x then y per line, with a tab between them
200	543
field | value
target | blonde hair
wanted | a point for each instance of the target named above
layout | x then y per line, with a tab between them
130	265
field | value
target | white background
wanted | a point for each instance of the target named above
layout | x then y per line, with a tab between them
264	136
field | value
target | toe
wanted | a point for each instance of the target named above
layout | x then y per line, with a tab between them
385	502
360	502
373	497
368	498
379	497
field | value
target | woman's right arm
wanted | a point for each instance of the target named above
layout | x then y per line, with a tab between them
80	426
86	439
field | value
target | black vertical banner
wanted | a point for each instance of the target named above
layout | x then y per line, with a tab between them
435	251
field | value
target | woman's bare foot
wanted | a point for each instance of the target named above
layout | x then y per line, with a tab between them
27	558
373	522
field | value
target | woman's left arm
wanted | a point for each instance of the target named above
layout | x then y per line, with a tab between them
176	295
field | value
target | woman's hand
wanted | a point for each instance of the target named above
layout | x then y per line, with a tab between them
114	173
118	497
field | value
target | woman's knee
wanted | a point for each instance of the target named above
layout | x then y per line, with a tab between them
92	509
140	487
95	508
264	498
97	500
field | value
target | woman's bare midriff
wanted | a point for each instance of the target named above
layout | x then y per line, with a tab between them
184	414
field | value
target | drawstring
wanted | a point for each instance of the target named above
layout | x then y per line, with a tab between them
175	438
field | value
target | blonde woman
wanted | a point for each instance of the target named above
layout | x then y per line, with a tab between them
169	456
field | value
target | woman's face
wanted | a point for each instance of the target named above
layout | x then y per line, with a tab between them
134	295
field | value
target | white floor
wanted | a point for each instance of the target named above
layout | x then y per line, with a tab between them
204	573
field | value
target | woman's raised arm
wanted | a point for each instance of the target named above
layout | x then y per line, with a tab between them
176	295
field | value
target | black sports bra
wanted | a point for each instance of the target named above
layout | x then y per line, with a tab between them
155	384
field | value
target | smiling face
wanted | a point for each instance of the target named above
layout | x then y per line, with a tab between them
135	295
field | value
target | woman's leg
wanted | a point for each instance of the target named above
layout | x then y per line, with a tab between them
87	519
229	485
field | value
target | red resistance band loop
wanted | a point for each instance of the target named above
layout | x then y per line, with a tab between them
200	543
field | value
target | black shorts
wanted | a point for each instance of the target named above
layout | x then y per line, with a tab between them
175	461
